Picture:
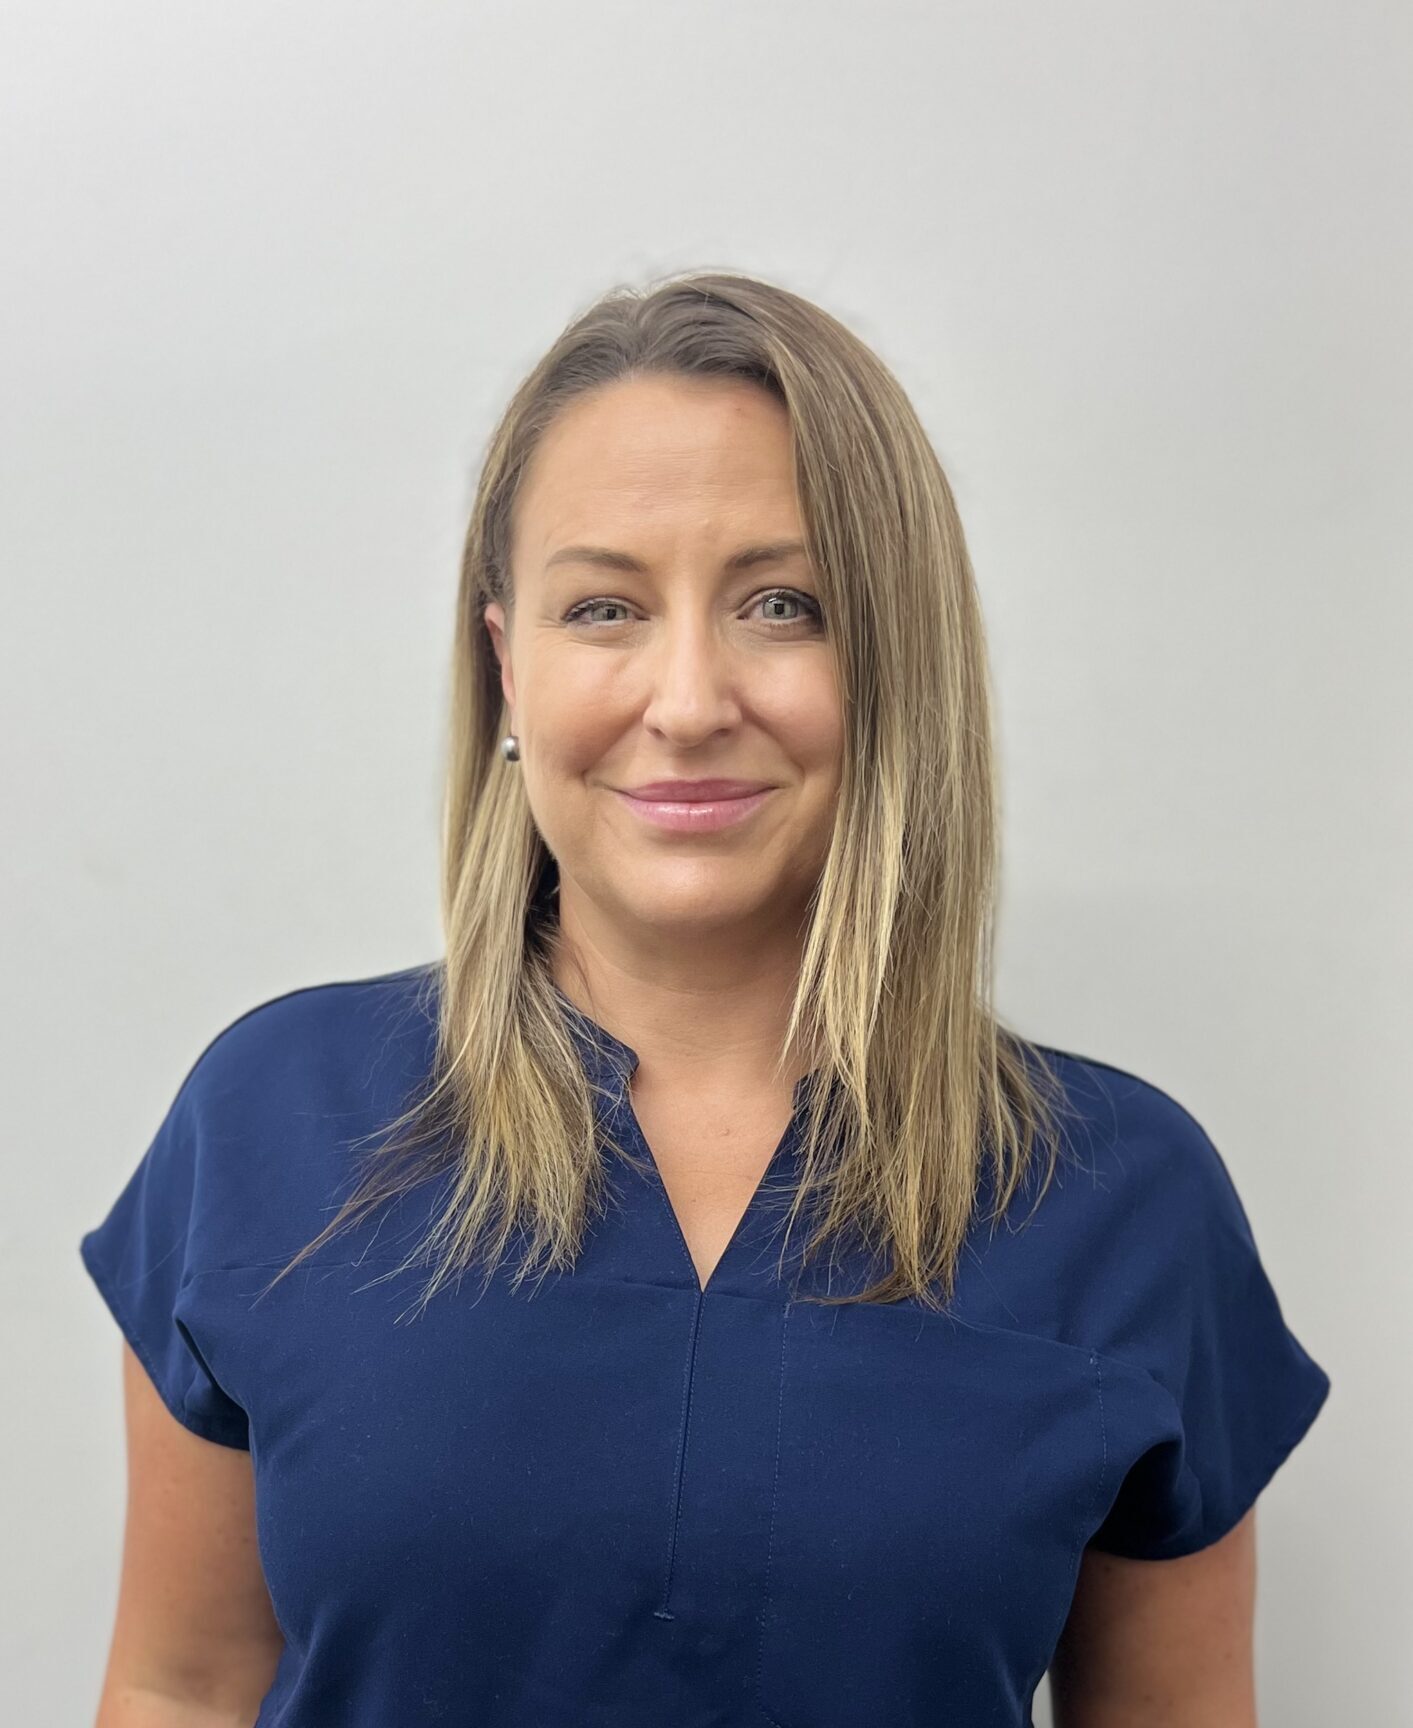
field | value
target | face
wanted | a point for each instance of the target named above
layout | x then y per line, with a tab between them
667	654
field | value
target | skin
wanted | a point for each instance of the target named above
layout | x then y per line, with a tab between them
1161	1643
691	672
195	1640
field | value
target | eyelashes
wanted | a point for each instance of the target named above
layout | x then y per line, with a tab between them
812	612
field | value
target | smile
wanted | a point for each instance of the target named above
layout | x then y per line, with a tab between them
701	818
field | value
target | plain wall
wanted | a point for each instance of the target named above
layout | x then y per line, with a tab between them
272	271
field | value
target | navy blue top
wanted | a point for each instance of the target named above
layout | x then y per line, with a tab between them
614	1499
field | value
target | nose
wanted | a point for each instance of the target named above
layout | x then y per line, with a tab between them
693	680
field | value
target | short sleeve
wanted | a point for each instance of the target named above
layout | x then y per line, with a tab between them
140	1258
1232	1390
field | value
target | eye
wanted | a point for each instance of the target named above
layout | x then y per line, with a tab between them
577	614
790	594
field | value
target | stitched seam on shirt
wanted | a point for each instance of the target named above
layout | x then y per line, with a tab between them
662	1612
685	1287
1095	1499
209	1427
770	1538
1271	1461
777	1297
1089	1350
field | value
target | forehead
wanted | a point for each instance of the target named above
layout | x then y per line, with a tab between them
655	452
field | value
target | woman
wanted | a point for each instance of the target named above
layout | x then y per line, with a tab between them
754	1415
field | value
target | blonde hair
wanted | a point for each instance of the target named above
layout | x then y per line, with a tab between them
919	1082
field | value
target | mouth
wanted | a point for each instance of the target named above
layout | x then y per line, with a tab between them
694	791
695	815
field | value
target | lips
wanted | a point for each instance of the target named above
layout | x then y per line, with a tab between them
696	815
695	791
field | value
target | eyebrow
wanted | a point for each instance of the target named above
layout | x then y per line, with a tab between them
606	558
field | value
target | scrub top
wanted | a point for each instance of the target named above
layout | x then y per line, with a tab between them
612	1498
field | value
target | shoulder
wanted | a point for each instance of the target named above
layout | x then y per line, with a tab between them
1138	1198
1128	1137
309	1031
269	1116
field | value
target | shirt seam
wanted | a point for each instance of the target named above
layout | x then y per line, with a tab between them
778	1298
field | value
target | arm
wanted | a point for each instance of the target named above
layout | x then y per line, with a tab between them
195	1642
1165	1643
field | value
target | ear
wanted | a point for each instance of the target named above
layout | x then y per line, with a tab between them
494	616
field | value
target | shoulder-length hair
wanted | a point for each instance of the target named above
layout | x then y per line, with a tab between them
920	1085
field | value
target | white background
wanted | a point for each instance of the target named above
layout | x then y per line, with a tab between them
270	273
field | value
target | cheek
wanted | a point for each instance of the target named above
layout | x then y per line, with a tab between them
803	715
576	717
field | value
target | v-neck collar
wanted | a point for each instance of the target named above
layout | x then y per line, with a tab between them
661	1250
613	1062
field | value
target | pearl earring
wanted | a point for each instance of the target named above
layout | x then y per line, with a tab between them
510	747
